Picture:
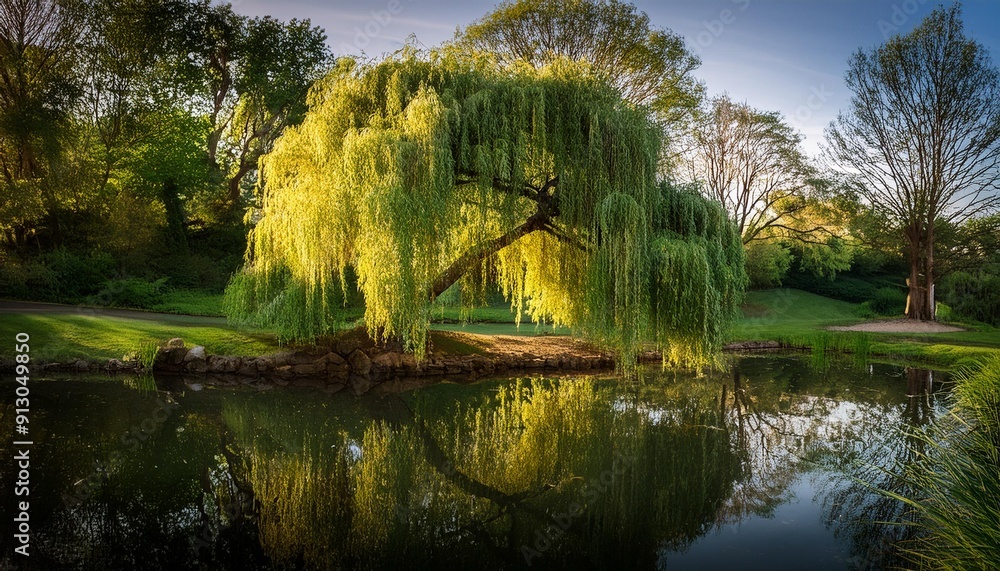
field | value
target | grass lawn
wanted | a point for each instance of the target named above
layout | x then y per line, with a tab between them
197	302
801	318
190	302
98	337
789	316
501	328
497	313
786	313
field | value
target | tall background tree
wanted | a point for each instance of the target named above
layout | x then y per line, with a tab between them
921	138
38	91
650	66
751	162
421	170
253	75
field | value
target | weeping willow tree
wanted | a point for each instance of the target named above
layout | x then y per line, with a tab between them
425	170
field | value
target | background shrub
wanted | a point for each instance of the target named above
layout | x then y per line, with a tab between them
972	295
767	264
77	275
25	280
865	311
845	288
130	292
888	301
58	276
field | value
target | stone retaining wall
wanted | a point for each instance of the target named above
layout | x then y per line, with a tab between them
359	369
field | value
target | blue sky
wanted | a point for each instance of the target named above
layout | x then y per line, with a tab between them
783	55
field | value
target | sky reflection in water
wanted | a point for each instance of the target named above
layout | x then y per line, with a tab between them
755	467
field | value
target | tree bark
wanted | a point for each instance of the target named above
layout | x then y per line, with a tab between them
234	191
917	300
174	214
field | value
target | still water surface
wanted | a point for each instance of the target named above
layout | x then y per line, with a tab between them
755	468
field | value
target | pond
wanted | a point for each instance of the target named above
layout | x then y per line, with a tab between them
758	467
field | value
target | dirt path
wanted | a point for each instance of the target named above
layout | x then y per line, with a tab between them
523	346
899	326
35	308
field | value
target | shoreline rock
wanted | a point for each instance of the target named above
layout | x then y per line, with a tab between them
753	346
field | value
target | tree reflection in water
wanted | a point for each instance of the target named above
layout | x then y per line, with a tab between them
492	482
561	473
875	449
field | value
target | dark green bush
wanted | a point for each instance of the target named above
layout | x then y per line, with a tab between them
196	271
59	276
888	301
864	311
77	276
972	295
26	280
845	288
130	292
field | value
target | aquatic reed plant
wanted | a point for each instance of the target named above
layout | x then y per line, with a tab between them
957	478
821	344
146	352
143	382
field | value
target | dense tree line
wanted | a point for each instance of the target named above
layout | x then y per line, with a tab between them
129	126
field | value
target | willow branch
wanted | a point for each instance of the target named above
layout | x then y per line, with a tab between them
459	267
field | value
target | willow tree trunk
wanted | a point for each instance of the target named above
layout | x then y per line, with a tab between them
474	256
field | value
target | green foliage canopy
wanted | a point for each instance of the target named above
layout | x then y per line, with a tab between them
419	171
649	65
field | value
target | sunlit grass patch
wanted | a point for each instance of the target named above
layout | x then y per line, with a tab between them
102	337
190	302
800	319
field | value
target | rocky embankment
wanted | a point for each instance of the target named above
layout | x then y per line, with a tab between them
359	365
350	365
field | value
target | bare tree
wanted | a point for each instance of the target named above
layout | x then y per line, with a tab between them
751	162
921	138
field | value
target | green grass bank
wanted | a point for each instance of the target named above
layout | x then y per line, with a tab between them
791	317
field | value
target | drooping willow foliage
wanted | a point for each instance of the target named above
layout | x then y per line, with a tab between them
423	170
698	275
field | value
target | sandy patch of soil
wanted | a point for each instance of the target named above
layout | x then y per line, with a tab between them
525	346
900	326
